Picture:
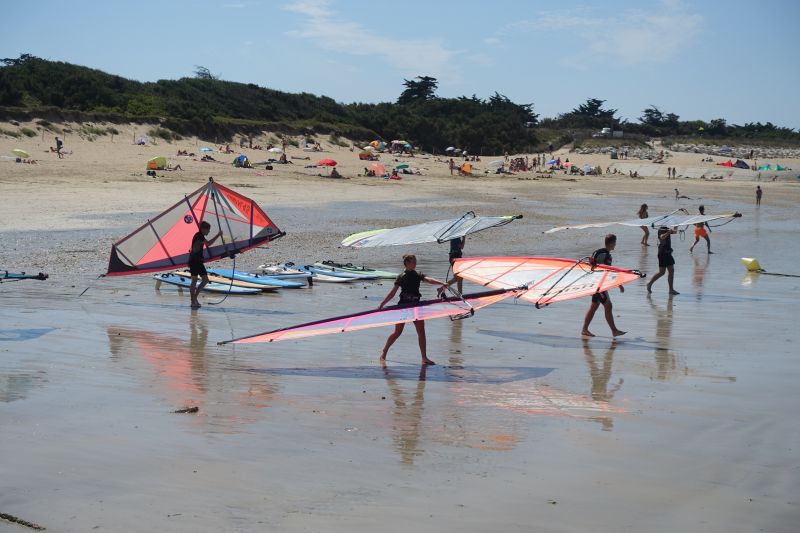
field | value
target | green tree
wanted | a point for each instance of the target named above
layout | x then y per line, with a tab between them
418	91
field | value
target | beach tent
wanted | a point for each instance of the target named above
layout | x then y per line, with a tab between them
778	167
142	140
466	168
765	167
741	164
378	169
494	165
157	163
242	162
727	163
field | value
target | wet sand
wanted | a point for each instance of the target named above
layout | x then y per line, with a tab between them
685	423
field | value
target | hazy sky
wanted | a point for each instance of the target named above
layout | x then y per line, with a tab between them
703	59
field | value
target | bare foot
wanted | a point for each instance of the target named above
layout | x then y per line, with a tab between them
673	292
587	333
382	358
196	305
618	333
428	362
649	289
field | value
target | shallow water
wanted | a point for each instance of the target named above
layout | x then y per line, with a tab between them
688	422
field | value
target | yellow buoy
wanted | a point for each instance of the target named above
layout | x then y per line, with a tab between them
751	264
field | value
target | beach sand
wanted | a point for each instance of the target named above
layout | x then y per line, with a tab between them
687	423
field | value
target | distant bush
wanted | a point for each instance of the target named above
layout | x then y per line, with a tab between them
28	132
293	142
10	133
338	141
164	133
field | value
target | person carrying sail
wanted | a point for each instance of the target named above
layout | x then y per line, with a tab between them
701	230
665	260
456	252
602	256
195	263
408	282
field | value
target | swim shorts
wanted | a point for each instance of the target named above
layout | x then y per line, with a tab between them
665	260
700	232
197	268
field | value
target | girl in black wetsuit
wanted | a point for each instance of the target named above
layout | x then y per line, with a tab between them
665	260
408	282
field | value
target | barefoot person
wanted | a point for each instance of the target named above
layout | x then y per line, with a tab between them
456	252
603	257
665	260
195	263
701	230
643	214
408	282
759	194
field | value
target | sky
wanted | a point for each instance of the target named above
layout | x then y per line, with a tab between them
701	59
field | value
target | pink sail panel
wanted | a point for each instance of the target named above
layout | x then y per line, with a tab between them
388	316
543	280
163	242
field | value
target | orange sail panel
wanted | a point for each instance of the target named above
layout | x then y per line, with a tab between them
388	316
163	242
543	280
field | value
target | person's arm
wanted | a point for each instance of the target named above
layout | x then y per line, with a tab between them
389	296
209	242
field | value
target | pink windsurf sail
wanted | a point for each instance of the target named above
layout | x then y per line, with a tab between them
374	318
543	280
163	242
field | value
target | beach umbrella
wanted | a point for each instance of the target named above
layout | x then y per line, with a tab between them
449	149
21	153
206	149
398	167
378	169
369	148
551	162
497	163
567	165
275	150
326	163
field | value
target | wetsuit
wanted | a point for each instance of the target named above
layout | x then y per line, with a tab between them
409	281
195	263
455	249
665	258
601	257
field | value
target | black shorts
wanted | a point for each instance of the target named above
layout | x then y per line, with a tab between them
197	268
665	260
600	297
455	255
408	302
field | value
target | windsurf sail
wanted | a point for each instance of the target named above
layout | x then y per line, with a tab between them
543	280
163	242
437	231
454	307
669	220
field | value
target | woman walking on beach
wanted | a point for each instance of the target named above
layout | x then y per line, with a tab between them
665	260
408	282
643	214
602	256
701	230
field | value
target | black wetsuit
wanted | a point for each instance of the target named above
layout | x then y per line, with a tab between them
195	263
409	281
665	258
601	257
455	249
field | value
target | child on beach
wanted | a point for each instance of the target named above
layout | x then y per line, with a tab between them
456	252
759	194
602	256
408	282
701	230
643	214
665	260
195	263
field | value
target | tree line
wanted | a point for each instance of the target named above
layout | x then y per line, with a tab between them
207	106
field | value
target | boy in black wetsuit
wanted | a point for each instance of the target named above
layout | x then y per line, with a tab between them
408	282
603	257
665	259
195	263
456	252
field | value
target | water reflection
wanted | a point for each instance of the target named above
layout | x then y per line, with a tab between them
665	359
181	373
700	266
406	414
17	385
600	372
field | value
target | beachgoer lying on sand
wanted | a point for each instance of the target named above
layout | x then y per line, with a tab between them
176	167
207	158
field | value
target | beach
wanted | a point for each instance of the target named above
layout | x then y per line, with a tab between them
685	423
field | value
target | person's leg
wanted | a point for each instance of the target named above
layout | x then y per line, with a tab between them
588	319
696	240
609	311
660	273
193	291
203	283
420	325
708	243
670	277
398	329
